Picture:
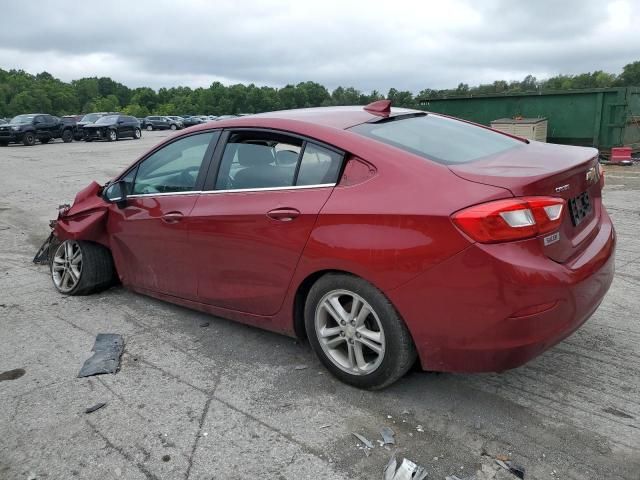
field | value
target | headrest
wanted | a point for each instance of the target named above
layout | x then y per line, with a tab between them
286	157
250	155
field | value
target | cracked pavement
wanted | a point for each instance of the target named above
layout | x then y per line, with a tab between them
227	401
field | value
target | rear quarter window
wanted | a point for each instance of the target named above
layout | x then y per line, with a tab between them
443	140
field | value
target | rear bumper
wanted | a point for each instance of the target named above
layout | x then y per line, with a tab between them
472	313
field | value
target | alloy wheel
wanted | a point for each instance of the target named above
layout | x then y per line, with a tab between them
350	332
67	266
112	135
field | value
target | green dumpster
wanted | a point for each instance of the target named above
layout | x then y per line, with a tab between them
599	117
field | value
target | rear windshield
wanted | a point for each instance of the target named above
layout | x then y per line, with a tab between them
440	139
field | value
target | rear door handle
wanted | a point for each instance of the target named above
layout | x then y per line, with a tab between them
172	217
283	214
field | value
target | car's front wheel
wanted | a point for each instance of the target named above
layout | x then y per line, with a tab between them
149	127
112	136
173	126
137	134
81	268
29	139
67	136
356	332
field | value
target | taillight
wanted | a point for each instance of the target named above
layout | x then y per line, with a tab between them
511	219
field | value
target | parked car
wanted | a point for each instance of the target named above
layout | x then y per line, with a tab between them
379	234
191	121
156	122
89	119
3	121
178	121
112	128
28	128
226	117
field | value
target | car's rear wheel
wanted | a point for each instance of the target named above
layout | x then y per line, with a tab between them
67	136
137	134
112	135
29	139
149	127
81	268
356	332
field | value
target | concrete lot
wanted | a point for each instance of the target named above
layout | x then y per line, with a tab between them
225	401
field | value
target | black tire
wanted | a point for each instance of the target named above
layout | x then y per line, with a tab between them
399	352
112	135
137	134
45	140
67	136
29	139
149	127
4	144
97	272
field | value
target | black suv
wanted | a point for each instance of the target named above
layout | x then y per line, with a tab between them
112	128
89	119
35	126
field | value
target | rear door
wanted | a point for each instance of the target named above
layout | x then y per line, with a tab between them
250	225
149	237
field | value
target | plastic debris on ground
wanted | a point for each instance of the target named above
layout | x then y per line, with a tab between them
43	255
366	442
387	436
97	406
517	470
107	350
407	470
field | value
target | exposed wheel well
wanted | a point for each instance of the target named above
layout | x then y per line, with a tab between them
301	297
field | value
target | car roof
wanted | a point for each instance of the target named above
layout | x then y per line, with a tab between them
334	117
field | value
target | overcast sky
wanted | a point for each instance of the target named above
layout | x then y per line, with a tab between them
365	44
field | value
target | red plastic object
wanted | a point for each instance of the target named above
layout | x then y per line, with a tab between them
620	154
381	107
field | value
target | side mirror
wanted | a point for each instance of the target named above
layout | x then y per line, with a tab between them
116	193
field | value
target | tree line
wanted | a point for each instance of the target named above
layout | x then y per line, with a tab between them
21	92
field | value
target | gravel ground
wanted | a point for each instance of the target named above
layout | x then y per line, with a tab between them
200	397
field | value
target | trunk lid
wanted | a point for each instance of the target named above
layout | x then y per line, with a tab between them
552	170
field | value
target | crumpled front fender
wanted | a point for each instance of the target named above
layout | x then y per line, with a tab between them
86	219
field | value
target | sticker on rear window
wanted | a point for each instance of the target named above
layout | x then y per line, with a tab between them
551	239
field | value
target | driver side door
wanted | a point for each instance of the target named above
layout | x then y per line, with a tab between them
149	238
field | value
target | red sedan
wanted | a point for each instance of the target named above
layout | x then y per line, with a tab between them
379	234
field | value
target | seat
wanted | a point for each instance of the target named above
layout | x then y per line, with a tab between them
259	169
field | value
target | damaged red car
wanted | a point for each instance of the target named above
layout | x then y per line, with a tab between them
380	234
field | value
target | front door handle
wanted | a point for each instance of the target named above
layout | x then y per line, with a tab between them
172	217
283	214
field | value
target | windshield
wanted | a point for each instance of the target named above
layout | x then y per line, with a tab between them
22	119
441	139
91	117
107	120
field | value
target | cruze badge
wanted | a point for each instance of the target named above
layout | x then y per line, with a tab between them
562	188
592	175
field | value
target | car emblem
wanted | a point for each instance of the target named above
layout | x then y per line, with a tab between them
591	175
562	188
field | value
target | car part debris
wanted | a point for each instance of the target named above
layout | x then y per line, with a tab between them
204	324
43	255
408	470
366	442
517	470
97	406
387	436
106	357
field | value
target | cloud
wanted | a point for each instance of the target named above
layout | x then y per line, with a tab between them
367	44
